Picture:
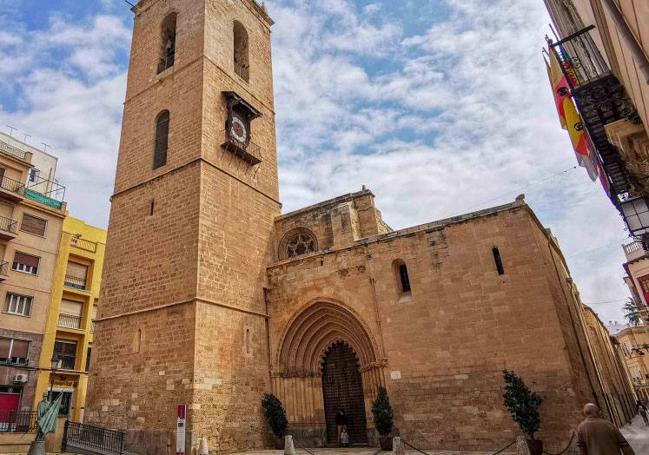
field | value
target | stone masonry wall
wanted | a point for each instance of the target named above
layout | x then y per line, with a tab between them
447	344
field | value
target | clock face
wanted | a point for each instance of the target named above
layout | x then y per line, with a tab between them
238	131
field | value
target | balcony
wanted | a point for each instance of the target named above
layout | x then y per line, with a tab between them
601	100
249	152
84	244
8	228
15	151
69	321
633	251
46	192
73	282
11	189
4	270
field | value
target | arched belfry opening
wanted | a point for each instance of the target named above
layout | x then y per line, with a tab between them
342	390
327	360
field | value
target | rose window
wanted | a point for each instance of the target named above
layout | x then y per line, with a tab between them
299	244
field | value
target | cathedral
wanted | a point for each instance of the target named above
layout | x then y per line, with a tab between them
212	297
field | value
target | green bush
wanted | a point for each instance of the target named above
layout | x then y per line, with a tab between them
383	414
522	403
275	414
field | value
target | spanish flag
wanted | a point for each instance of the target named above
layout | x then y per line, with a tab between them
570	118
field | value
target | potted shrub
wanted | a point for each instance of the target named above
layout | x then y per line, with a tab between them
275	417
523	404
383	418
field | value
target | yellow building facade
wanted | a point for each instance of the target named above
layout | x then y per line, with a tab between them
69	329
635	345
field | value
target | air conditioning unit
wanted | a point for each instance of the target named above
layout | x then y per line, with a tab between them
21	378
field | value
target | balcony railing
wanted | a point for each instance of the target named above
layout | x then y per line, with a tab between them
8	148
84	244
581	59
633	250
4	268
17	421
69	321
8	225
75	282
88	438
12	185
249	152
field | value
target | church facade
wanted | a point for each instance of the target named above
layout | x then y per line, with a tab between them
211	297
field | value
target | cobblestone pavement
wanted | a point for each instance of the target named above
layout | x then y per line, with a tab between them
637	433
360	451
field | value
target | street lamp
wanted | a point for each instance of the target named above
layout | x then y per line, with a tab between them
636	216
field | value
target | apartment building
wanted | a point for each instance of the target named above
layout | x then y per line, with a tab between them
635	346
32	213
69	327
603	48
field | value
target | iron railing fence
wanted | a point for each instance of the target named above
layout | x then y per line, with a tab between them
8	225
247	151
75	282
69	321
17	421
82	436
581	61
12	185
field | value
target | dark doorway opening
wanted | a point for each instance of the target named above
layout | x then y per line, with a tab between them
342	387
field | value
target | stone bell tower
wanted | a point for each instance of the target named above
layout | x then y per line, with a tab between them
182	316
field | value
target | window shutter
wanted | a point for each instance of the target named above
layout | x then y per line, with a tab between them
75	270
161	140
33	225
5	343
20	349
26	259
71	308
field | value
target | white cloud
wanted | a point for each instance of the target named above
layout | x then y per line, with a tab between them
453	117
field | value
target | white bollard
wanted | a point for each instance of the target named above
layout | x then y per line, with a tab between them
289	448
397	446
203	449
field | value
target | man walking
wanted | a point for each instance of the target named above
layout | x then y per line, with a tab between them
642	409
597	436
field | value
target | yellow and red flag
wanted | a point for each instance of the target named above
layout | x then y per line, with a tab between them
570	118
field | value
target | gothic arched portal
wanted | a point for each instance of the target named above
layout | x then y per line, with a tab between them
327	360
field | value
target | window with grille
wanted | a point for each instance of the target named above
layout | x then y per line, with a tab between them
20	305
66	352
161	140
25	263
14	351
33	225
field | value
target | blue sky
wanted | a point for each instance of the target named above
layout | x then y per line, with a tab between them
438	106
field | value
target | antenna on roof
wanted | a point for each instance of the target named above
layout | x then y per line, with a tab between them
126	1
11	130
45	146
26	136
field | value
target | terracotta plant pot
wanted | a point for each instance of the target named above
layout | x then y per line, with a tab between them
279	443
385	442
535	446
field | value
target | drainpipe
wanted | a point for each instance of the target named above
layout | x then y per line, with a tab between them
628	37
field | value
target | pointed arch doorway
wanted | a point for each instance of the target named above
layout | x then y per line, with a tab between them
342	388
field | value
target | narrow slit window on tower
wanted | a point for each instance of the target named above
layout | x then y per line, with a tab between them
498	260
168	43
241	62
151	207
161	140
403	279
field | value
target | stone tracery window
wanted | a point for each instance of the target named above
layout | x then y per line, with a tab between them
297	243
